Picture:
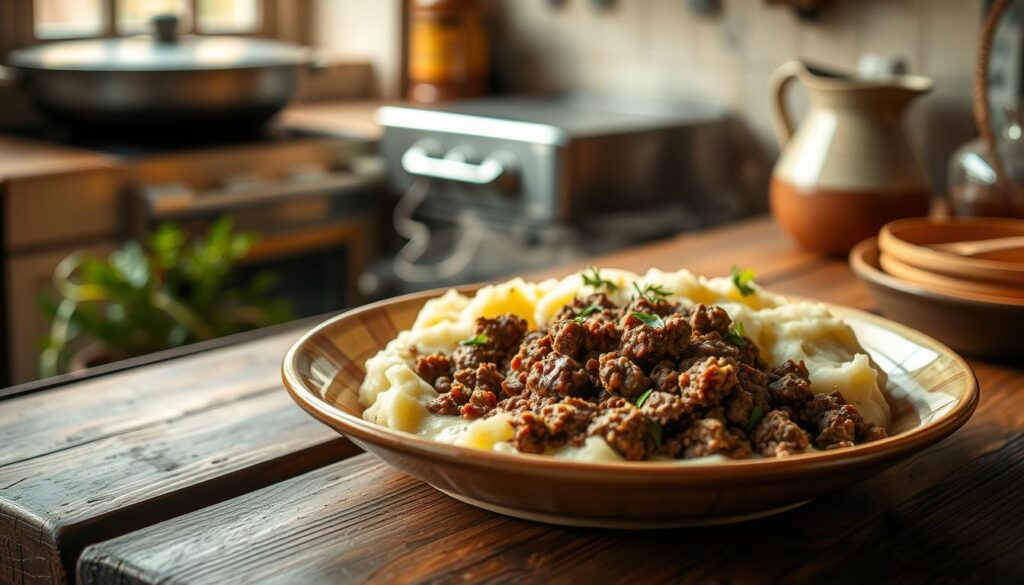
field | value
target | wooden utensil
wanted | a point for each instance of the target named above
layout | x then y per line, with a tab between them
979	247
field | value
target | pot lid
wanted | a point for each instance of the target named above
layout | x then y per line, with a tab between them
145	53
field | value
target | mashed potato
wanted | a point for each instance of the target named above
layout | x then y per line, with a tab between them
394	396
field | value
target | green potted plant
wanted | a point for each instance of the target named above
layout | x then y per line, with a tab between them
174	291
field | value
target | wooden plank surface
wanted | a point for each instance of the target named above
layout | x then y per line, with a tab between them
951	514
99	458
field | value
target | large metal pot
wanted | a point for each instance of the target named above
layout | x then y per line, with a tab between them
163	82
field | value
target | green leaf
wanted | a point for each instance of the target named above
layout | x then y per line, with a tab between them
131	262
741	279
583	313
755	417
655	429
643	397
476	340
736	335
651	320
652	292
594	279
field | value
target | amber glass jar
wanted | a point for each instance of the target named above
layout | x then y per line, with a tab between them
448	49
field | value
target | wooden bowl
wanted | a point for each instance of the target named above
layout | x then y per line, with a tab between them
942	283
932	392
975	324
908	241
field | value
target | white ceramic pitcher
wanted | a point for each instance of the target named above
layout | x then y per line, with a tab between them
848	169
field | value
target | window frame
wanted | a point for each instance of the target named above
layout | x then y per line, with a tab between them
288	20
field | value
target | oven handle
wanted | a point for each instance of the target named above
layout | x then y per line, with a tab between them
173	200
498	166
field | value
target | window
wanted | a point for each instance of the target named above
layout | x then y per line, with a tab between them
63	19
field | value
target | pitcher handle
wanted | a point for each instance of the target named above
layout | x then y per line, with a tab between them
781	120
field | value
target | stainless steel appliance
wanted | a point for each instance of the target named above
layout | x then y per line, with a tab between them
503	185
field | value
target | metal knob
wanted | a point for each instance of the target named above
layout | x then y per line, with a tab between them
165	28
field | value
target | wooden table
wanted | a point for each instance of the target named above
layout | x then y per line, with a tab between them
200	470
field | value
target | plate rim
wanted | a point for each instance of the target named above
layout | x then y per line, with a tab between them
689	473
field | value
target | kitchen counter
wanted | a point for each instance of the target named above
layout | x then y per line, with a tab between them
200	469
25	157
21	158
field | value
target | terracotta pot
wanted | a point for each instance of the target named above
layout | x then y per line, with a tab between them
848	169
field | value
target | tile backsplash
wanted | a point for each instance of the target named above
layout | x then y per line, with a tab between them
662	48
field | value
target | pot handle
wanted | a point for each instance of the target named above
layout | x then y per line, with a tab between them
8	75
781	120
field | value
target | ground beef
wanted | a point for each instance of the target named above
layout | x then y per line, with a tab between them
790	385
665	377
704	391
836	423
433	366
739	407
471	356
523	403
577	340
557	375
626	429
656	307
706	383
480	403
705	319
472	394
777	436
529	434
710	436
663	408
712	345
567	422
572	310
535	346
503	335
619	375
443	384
838	428
646	344
755	382
451	402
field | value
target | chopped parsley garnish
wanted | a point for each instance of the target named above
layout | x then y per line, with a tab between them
742	279
594	279
755	417
655	429
476	340
643	397
582	314
652	292
649	319
736	335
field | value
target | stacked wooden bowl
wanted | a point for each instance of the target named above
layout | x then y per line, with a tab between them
961	280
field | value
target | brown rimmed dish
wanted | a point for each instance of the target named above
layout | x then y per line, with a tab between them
975	324
910	241
932	392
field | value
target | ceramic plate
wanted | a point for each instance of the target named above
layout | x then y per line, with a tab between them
932	392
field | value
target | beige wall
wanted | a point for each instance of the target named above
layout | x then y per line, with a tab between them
363	30
660	48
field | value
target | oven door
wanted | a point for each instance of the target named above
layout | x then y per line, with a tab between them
317	235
